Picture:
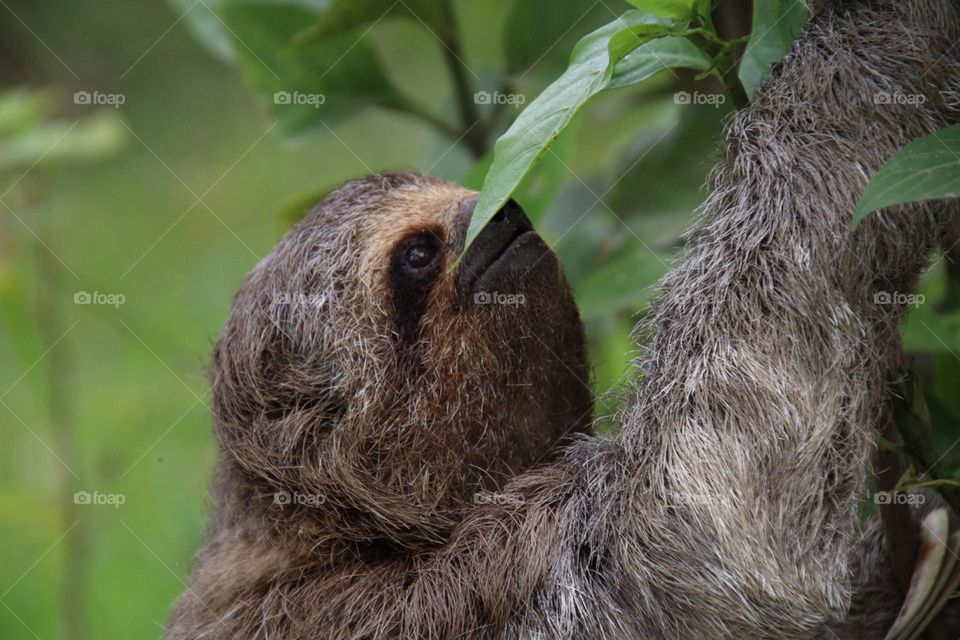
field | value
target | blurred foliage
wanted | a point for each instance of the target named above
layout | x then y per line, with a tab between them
213	168
31	136
925	169
341	69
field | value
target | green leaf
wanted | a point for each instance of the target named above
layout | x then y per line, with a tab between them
703	9
341	15
679	9
624	284
925	169
657	55
534	131
322	81
541	186
206	26
776	24
640	28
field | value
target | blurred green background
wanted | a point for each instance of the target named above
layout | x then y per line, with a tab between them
126	228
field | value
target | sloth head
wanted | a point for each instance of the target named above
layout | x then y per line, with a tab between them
369	392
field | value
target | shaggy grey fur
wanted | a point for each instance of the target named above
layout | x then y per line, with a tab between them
727	505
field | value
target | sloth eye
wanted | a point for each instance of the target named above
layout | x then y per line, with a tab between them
420	255
414	267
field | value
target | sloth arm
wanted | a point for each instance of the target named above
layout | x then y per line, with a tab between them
727	504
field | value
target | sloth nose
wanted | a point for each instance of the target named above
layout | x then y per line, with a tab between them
504	250
503	229
511	214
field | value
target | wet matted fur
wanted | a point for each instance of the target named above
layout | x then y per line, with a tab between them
358	422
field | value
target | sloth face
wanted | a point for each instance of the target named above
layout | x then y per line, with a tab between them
357	368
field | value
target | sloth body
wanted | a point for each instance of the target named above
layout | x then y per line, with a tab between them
401	461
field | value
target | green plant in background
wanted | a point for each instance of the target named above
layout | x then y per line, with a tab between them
290	50
925	169
657	35
298	54
315	66
310	63
33	138
293	50
610	180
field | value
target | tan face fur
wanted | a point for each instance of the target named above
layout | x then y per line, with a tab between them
379	388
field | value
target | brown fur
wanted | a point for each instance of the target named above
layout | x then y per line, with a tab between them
727	505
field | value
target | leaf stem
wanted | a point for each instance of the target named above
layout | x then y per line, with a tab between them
73	600
726	65
474	130
443	126
913	423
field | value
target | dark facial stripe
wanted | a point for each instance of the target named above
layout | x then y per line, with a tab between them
410	291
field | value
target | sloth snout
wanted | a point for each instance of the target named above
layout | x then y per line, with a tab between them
506	251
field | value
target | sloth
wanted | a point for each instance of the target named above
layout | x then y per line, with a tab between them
407	449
